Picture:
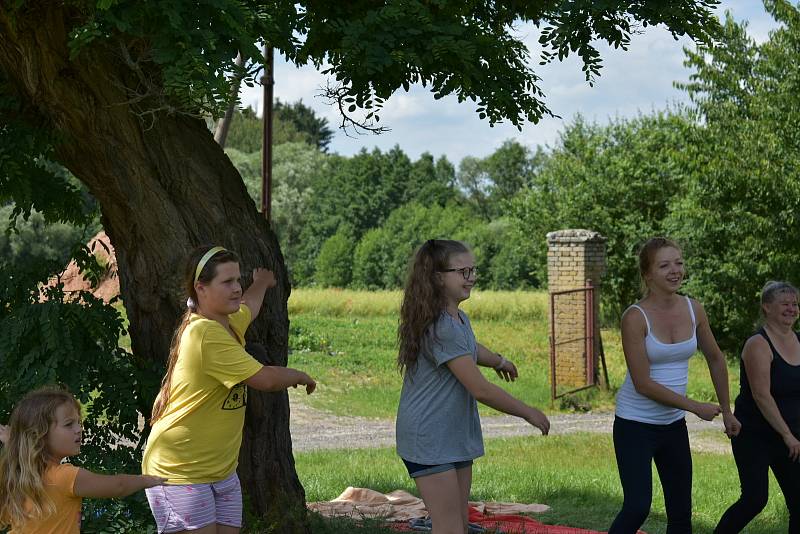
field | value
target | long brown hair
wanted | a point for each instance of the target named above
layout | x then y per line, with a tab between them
648	252
24	459
423	297
207	274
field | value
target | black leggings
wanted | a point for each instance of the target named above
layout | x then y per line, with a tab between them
637	445
756	452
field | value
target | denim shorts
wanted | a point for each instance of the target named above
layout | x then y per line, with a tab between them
421	470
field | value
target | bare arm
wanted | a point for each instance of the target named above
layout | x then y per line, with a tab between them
718	369
273	378
634	330
505	369
491	395
757	359
263	279
92	485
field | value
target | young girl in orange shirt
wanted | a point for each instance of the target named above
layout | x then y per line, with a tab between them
38	493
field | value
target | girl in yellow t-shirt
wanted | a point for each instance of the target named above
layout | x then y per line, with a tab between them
38	493
198	415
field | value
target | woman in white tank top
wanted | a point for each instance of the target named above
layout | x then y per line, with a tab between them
659	335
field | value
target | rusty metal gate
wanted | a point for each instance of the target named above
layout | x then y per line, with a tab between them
574	337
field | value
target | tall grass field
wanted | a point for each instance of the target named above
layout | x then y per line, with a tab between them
347	340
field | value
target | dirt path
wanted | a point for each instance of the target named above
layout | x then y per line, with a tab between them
314	429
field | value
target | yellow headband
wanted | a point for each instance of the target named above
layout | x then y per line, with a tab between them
202	263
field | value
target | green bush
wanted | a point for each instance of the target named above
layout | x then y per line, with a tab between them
334	263
55	338
503	258
620	180
295	168
369	260
739	217
382	256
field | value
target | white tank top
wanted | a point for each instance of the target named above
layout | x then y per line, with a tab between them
669	366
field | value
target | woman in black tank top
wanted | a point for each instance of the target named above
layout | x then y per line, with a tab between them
768	407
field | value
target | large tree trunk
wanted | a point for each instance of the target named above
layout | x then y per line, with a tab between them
164	187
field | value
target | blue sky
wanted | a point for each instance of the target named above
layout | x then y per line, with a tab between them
639	80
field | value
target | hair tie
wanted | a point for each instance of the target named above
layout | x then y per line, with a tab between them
190	303
207	256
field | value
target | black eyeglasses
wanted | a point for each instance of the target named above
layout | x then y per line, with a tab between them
466	272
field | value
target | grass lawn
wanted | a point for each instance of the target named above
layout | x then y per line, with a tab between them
575	474
347	341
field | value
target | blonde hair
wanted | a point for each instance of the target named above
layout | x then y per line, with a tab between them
647	254
24	459
207	273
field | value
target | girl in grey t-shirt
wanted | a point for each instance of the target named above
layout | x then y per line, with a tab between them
438	429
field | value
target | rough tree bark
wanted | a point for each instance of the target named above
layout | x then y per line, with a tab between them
164	187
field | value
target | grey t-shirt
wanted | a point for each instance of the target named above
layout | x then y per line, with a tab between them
437	420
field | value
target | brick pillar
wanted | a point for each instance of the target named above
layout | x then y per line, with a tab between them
573	258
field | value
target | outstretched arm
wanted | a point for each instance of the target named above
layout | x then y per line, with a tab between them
92	485
494	396
274	378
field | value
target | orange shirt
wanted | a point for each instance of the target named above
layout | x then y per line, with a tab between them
58	482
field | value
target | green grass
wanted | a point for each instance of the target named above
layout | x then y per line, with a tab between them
574	474
347	341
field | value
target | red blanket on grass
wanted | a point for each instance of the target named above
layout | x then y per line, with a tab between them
510	524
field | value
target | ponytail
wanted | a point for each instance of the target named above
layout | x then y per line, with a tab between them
201	267
160	403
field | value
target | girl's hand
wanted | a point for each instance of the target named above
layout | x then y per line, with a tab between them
308	382
507	371
706	411
150	481
5	434
264	276
539	420
793	444
732	425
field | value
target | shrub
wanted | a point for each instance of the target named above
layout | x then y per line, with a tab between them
334	263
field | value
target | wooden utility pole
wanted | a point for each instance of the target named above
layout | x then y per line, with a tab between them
268	82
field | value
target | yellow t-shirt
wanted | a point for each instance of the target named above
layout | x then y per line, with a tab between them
197	439
59	481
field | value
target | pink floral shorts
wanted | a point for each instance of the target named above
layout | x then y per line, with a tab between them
193	506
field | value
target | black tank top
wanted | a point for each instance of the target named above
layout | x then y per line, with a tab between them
784	386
